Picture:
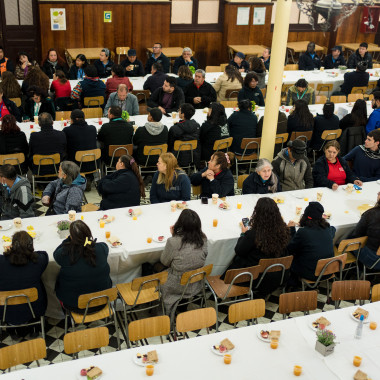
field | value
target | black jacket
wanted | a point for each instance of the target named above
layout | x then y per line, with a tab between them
255	185
14	143
295	125
223	184
154	81
13	109
244	65
266	63
350	138
138	68
49	69
47	105
183	83
329	64
354	79
254	94
349	121
103	71
181	62
209	134
307	62
355	58
119	189
156	98
321	124
116	132
185	130
321	171
242	124
163	59
369	225
282	124
206	92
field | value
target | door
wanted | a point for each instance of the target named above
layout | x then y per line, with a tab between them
19	30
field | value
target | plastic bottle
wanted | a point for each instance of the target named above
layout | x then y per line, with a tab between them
359	328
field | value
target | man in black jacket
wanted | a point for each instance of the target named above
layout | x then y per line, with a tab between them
186	59
159	57
335	59
309	60
167	98
133	66
360	54
200	93
358	78
104	64
8	107
157	78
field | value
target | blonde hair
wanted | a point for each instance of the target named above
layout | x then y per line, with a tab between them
171	170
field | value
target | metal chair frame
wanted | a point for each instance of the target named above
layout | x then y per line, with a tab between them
111	167
186	143
256	142
336	134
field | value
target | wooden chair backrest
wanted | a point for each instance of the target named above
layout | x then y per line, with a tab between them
203	273
149	327
142	95
87	339
229	103
93	100
12	158
21	353
354	97
121	150
153	280
290	67
87	155
333	264
376	65
47	159
359	90
185	145
320	99
196	319
122	50
331	134
90	113
301	136
285	261
298	301
264	91
232	93
197	190
223	66
32	293
252	142
16	101
350	290
281	138
338	98
222	143
349	245
371	85
65	115
212	69
85	298
155	150
375	296
241	180
242	311
232	273
324	87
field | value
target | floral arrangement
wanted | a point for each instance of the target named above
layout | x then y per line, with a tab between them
125	115
326	337
63	225
253	105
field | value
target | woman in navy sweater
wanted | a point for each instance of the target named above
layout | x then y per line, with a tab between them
169	183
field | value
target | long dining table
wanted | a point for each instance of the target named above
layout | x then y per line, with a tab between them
252	358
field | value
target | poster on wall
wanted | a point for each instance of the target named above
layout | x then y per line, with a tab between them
242	16
259	16
107	16
58	18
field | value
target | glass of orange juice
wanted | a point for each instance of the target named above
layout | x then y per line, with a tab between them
357	361
227	359
149	239
239	205
297	370
373	325
274	344
102	223
108	234
149	369
215	222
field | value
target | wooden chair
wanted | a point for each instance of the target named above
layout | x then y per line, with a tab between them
116	151
108	315
196	190
371	86
297	301
291	67
225	291
16	101
281	138
326	267
305	136
195	320
284	92
65	115
148	328
350	291
121	51
246	311
375	293
354	97
372	273
21	353
222	144
320	99
88	339
241	179
92	113
359	90
182	146
152	150
324	87
14	159
11	298
44	160
338	99
142	95
264	92
89	101
376	65
91	155
327	135
232	94
212	69
229	103
223	66
248	158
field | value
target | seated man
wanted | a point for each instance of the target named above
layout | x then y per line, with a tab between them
156	80
266	58
157	57
5	63
167	98
293	167
335	59
360	55
104	64
116	132
356	78
133	66
152	133
46	142
366	158
186	59
17	198
239	62
374	118
90	86
7	107
123	99
200	93
309	60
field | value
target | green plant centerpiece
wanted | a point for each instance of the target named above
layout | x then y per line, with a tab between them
325	341
253	105
125	115
192	69
63	228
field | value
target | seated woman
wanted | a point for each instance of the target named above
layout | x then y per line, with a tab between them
263	180
170	182
256	66
357	117
24	62
186	250
216	178
332	170
76	71
369	225
300	119
35	78
60	86
251	90
185	77
37	104
66	192
10	86
84	268
312	242
300	90
231	79
53	62
21	268
266	237
122	188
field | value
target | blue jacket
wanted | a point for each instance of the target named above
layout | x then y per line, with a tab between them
373	121
366	168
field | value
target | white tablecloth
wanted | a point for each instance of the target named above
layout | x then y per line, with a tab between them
251	359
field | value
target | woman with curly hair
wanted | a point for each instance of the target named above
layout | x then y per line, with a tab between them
37	78
10	85
266	237
256	66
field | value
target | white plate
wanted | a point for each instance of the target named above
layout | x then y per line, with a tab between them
225	209
329	327
155	239
79	377
366	320
217	352
261	338
5	226
140	363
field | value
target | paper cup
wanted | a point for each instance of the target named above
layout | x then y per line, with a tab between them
215	198
17	222
319	196
72	214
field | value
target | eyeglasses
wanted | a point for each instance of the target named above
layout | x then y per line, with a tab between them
156	47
